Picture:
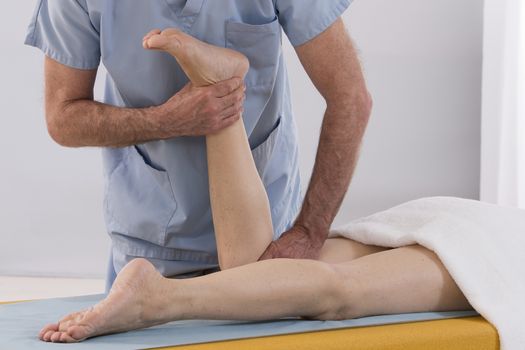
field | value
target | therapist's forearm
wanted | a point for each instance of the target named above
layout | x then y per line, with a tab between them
91	123
342	131
332	63
74	119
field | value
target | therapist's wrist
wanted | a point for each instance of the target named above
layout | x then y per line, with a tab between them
316	230
163	122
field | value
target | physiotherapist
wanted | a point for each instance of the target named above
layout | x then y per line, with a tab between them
152	123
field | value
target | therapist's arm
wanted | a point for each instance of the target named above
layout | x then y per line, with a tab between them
331	61
74	119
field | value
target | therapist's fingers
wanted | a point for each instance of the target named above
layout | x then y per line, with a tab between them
226	87
270	252
224	123
235	98
233	111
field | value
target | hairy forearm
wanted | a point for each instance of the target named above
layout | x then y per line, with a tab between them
342	131
91	123
74	119
333	65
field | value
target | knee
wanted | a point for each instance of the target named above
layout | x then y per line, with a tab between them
339	298
230	261
226	263
231	256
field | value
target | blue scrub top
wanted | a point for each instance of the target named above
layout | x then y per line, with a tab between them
156	202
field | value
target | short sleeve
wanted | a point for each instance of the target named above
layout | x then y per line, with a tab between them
303	20
62	29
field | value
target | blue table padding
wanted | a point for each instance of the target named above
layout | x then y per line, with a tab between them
21	322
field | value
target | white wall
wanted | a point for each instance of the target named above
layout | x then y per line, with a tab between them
422	61
50	197
423	65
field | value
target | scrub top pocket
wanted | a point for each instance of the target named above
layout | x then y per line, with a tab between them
261	43
262	153
140	200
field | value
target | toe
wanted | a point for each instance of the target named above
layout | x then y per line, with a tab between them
55	337
145	40
79	333
46	328
71	319
64	325
163	41
151	33
156	41
66	338
67	318
47	335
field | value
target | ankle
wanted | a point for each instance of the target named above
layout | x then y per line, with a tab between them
169	301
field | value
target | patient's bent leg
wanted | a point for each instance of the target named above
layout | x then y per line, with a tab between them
407	279
239	203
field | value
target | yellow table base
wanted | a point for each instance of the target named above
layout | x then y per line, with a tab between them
468	333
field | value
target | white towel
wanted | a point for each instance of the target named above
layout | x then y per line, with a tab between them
482	246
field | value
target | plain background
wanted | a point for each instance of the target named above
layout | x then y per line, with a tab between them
422	60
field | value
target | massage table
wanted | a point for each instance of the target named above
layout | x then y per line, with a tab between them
461	333
452	334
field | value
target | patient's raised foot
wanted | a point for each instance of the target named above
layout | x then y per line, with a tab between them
204	64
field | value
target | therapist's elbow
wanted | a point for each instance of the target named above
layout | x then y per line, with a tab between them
356	103
368	104
58	128
56	132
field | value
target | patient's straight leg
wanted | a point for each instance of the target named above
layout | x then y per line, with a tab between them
341	249
407	279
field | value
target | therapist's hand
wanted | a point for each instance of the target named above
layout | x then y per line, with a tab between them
197	111
296	243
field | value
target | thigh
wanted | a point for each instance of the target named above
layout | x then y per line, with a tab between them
405	279
339	249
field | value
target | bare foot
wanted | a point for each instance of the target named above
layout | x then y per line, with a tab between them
134	302
204	64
